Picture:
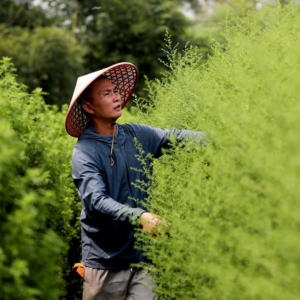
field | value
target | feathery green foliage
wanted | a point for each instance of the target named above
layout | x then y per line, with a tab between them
37	199
234	204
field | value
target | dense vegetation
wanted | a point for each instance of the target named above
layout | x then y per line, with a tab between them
232	204
36	193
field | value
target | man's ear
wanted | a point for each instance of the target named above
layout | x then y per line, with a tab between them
87	108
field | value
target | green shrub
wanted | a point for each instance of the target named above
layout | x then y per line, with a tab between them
37	203
234	204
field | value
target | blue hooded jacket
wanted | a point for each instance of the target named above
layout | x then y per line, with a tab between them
110	199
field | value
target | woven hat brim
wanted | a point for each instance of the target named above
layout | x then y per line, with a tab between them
124	75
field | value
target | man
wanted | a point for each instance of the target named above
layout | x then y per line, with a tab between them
105	163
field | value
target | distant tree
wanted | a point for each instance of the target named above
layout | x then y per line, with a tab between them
46	57
24	13
133	30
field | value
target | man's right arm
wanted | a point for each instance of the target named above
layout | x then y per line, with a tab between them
88	179
93	192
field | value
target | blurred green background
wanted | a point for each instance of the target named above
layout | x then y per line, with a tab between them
233	205
52	42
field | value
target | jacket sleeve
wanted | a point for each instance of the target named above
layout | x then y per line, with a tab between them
158	138
184	135
92	190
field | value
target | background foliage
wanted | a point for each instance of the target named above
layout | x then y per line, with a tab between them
46	57
52	42
37	198
233	205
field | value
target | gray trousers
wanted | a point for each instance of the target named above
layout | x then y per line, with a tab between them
131	284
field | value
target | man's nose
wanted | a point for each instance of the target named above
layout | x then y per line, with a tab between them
117	97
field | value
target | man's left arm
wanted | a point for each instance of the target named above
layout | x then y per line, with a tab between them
157	139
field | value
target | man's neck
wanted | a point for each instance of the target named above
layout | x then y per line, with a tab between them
107	128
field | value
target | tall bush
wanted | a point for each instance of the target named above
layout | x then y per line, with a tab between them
37	199
233	205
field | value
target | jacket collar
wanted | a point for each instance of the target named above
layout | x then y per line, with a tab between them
91	134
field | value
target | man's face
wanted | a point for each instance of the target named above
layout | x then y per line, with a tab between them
105	101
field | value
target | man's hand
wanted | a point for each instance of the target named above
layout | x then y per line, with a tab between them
150	222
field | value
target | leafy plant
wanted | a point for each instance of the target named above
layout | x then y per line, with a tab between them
37	203
233	204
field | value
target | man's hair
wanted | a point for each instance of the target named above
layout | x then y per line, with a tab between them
86	95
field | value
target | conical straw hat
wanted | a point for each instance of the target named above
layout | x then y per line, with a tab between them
124	75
